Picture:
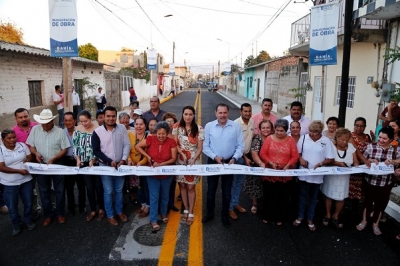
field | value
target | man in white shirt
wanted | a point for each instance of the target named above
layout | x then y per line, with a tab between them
99	99
247	125
58	100
296	114
76	104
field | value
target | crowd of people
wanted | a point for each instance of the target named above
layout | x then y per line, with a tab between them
158	138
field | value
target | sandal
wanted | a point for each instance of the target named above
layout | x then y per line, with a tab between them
190	219
100	216
254	209
361	226
297	222
165	219
264	221
185	215
337	222
311	226
144	213
325	221
377	231
90	216
155	226
138	211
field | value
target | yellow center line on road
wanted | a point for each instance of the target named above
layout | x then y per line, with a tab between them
195	256
167	252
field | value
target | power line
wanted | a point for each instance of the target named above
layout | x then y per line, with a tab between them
267	6
111	24
122	20
219	10
269	23
152	22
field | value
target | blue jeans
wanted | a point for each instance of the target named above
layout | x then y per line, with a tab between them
237	184
11	197
2	203
94	187
159	191
61	118
143	191
307	191
44	184
113	185
212	185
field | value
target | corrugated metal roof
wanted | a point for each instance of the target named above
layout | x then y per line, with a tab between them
27	49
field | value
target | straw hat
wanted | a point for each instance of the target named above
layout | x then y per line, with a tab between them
45	116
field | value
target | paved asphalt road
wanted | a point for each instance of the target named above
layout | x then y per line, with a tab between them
247	242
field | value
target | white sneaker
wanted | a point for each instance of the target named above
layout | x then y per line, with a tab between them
4	209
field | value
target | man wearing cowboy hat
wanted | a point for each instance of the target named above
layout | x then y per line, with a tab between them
49	144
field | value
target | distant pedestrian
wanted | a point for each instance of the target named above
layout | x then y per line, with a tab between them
58	100
100	99
76	103
132	94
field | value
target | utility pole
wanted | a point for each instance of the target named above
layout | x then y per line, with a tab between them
173	62
344	88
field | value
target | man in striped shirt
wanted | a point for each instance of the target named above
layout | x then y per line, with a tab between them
49	144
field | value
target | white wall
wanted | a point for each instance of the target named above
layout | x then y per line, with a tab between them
143	91
16	69
363	63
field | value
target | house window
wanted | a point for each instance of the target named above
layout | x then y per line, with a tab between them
350	94
35	93
251	82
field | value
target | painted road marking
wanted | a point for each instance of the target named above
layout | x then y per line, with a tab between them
195	256
127	248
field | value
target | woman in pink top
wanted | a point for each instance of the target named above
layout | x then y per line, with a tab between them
279	151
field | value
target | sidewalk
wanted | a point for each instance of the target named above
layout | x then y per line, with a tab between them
238	100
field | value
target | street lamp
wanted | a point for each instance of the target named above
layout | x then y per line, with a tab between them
229	46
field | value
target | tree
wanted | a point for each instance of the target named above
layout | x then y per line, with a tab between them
9	32
262	57
88	51
127	50
249	61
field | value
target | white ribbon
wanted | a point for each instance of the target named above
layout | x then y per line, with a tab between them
204	170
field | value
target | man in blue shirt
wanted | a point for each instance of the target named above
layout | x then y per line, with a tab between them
223	144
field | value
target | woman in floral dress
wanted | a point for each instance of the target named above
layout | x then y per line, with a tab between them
83	152
189	137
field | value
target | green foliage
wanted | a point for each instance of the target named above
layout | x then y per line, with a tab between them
10	33
88	51
298	92
136	72
249	61
262	57
128	50
392	56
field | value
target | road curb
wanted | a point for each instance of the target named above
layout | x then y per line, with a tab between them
229	99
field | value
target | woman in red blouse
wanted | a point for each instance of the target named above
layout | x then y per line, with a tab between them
279	151
161	151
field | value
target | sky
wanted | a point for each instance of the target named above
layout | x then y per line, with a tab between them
195	26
